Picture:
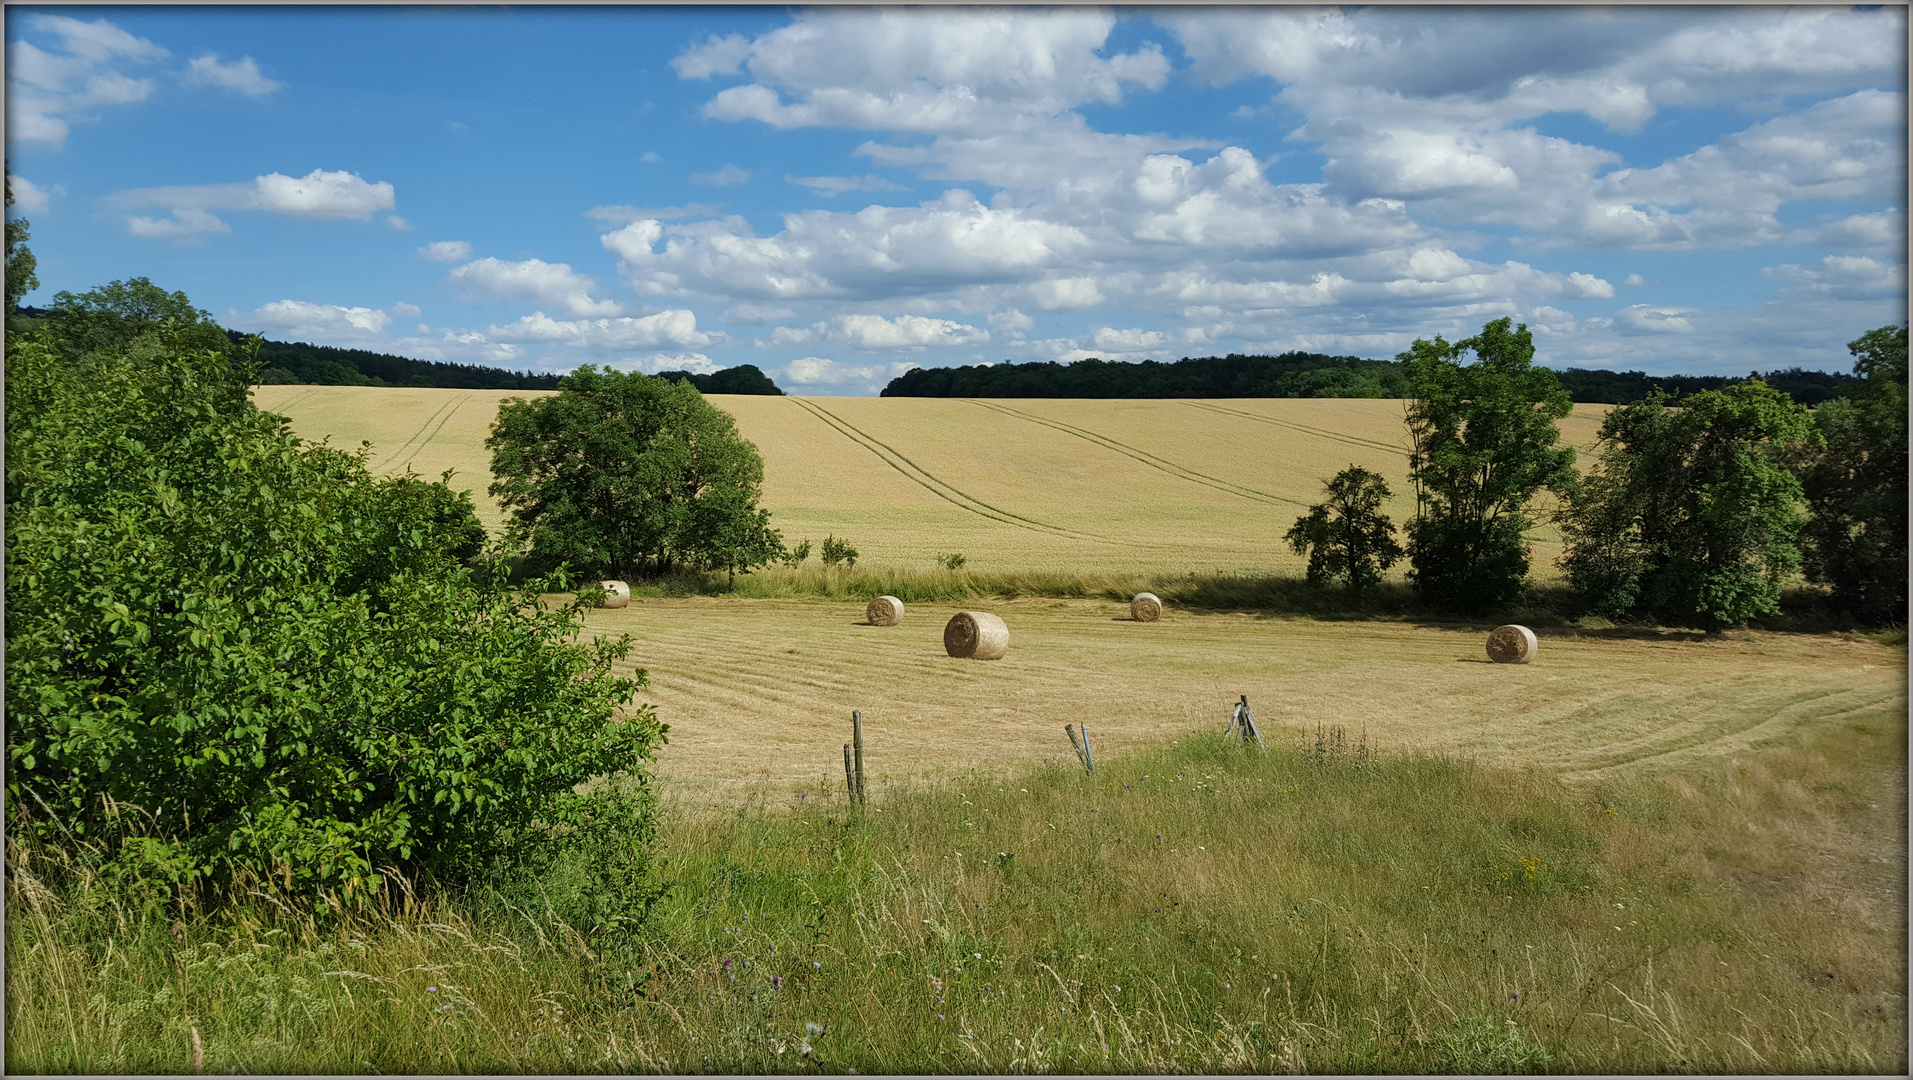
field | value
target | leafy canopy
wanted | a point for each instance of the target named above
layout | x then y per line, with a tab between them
21	265
276	655
1347	536
1691	514
621	473
1856	485
1484	444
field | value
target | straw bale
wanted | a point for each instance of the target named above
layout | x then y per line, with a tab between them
884	611
616	593
1512	644
977	635
1146	607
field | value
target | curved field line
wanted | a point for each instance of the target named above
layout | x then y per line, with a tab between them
1144	456
1353	440
427	441
1729	735
291	401
450	405
929	481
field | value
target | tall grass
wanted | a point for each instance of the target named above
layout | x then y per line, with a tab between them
1202	907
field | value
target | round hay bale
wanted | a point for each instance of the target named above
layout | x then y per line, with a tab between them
1512	644
884	611
616	593
977	635
1146	607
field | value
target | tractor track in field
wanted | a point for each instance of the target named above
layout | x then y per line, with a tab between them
929	481
1323	433
443	416
1714	739
1144	456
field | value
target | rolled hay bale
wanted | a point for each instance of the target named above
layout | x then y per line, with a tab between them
1512	644
884	611
976	635
616	593
1146	607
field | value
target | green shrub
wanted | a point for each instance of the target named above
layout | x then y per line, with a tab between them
952	561
838	551
277	656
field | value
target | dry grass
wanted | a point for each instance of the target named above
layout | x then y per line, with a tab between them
1083	486
758	693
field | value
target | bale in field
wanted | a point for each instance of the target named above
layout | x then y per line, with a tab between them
884	611
1146	607
977	635
1512	644
616	593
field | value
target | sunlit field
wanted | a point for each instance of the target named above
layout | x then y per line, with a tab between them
1020	484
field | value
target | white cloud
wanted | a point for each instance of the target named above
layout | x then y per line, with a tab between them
694	362
923	69
185	224
877	332
531	279
1844	277
300	320
1066	294
407	310
820	371
724	177
625	214
1634	279
241	75
47	91
758	313
1012	321
317	196
675	327
1589	287
832	186
28	197
1654	319
398	223
447	251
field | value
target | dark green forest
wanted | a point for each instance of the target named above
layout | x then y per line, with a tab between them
1299	375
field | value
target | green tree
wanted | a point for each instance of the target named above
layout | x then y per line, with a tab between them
1856	485
277	655
610	474
1690	514
1347	536
127	318
21	265
729	533
1484	444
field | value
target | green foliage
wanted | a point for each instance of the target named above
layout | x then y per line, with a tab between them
1484	445
795	557
622	473
839	551
21	265
742	379
276	655
1347	536
952	561
1856	485
1690	514
134	319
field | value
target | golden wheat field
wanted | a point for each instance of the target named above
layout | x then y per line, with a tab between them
1016	484
758	693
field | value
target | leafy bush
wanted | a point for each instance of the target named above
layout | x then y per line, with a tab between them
793	557
277	655
1347	536
952	561
838	551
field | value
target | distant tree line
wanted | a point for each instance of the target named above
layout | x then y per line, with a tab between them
742	379
1300	375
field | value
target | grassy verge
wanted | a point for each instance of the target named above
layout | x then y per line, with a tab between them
1200	907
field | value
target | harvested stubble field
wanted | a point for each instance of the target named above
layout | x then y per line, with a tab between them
1023	484
758	693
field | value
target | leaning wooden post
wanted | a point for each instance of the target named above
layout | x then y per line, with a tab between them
1070	730
857	741
850	774
1089	756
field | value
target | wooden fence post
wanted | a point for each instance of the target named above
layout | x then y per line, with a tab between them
857	741
850	774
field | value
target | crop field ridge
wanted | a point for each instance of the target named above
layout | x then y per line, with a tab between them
1148	459
1293	426
420	438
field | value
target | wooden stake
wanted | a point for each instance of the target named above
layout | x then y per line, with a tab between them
857	741
1089	756
1070	730
850	774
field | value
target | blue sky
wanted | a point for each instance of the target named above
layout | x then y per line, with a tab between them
838	194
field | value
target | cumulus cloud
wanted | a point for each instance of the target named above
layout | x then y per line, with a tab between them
185	224
674	327
877	332
317	196
1844	277
1653	319
49	89
241	76
694	362
447	251
300	320
820	371
531	279
28	197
